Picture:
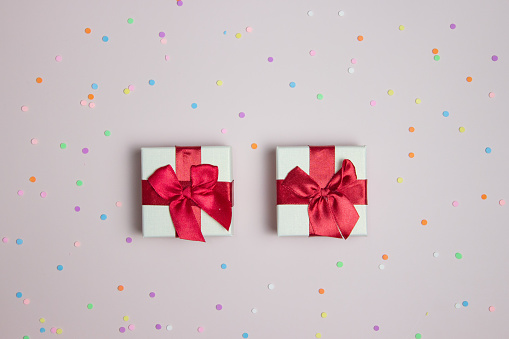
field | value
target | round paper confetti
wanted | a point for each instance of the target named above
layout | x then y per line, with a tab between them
60	267
20	192
126	91
151	82
83	102
436	57
79	183
341	13
418	336
77	244
319	96
42	320
88	30
457	305
95	86
411	129
458	255
491	308
194	105
131	87
360	38
484	197
455	203
53	330
242	115
312	52
219	307
411	155
32	179
310	13
180	3
318	335
91	105
58	58
238	35
401	27
491	95
351	70
125	318
223	266
501	202
219	82
43	194
452	26
339	264
130	20
42	330
158	326
372	103
469	79
38	80
271	286
224	130
121	329
353	61
77	208
245	335
128	240
200	329
5	240
34	141
494	57
118	204
487	150
249	29
270	59
385	257
376	327
323	315
424	222
417	101
254	146
445	114
321	291
436	254
19	241
390	92
90	306
292	84
254	310
63	145
164	41
19	294
399	180
104	217
152	294
105	38
120	288
381	266
107	133
162	34
131	327
26	301
84	150
465	303
24	108
434	51
169	328
461	129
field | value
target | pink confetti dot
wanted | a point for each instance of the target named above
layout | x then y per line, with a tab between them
131	87
312	52
501	202
118	204
83	102
249	29
43	194
77	244
491	95
20	192
491	308
58	58
34	141
5	240
24	108
53	330
455	203
353	61
372	103
167	57
91	105
131	327
26	301
200	329
224	130
164	41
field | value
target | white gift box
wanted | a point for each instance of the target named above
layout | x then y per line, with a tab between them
293	220
156	219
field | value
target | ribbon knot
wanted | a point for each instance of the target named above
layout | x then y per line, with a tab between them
202	192
331	209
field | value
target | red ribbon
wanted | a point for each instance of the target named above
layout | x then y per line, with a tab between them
186	198
330	204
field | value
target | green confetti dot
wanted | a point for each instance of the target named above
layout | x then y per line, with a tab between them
458	255
26	337
79	183
319	96
63	145
90	306
339	264
418	336
107	133
130	20
436	57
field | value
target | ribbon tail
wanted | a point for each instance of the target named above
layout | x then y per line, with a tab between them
216	206
321	219
344	213
186	225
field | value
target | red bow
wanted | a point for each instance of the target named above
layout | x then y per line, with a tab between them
331	209
201	192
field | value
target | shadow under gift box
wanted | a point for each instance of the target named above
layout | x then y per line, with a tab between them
293	220
156	219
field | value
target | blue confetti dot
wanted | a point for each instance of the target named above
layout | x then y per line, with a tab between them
19	295
223	266
151	82
292	84
94	86
488	150
60	267
104	217
105	38
245	335
224	32
194	105
445	113
42	330
19	241
465	303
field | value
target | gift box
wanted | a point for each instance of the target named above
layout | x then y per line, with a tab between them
321	191
187	192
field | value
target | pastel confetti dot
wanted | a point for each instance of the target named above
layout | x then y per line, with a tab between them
120	288
58	58
158	326
381	266
88	30
245	335
131	327
455	203
63	145
390	92
105	38
310	13
53	330
77	208
461	129
469	79
219	307
270	59
180	3
339	264
254	310
83	102
90	306
77	244
128	240
254	146
84	150
484	197
452	26
318	335
107	133
162	34
372	103
242	115
26	301
127	91
271	286
32	179
20	192
224	130
194	105
323	315
491	308
458	255
79	183
26	337
169	327
104	217
436	254
501	202
436	57
42	320
249	29
312	52
376	327
5	240
424	222
319	96
164	41
126	318
487	150
118	204
353	61
219	82
418	336
223	266
60	267
91	105
200	329
341	13
401	27
151	82
494	57
293	84
24	108
411	155
43	194
445	113
491	95
417	101
42	330
399	180
411	129
38	80
238	35
457	305
385	257
465	303
19	241
321	291
152	294
34	141
434	51
360	38
121	329
130	20
19	294
95	86
131	87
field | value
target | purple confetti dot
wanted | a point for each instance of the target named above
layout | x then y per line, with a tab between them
152	294
453	26
179	3
494	57
158	326
219	307
77	208
128	240
376	328
270	59
242	114
121	330
84	150
162	34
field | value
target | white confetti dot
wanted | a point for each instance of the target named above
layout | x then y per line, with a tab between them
457	305
271	286
310	13
169	327
381	266
351	70
254	310
435	254
341	13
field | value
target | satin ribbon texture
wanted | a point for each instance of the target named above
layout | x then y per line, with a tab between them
202	191
331	207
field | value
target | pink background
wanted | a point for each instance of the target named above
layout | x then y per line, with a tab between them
415	293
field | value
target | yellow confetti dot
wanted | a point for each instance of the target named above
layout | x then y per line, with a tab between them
42	320
126	91
401	27
324	315
59	331
462	129
417	101
318	335
254	146
400	180
238	35
219	83
126	318
390	92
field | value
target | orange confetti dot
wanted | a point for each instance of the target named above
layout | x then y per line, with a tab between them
91	97
360	38
411	155
254	146
88	30
411	129
424	222
38	80
32	179
385	257
484	197
435	51
469	79
120	288
321	291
